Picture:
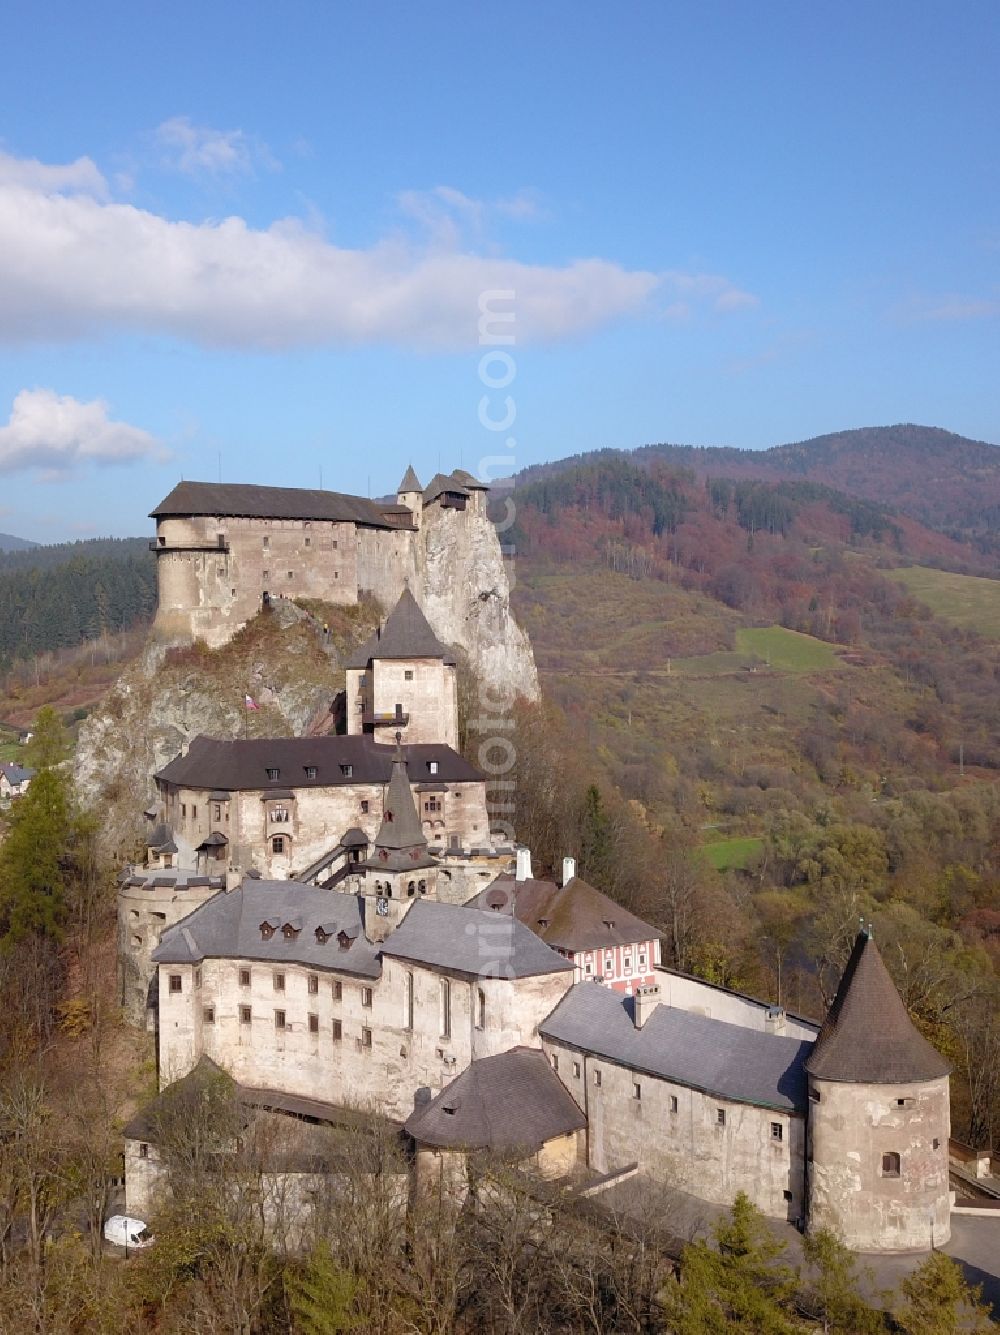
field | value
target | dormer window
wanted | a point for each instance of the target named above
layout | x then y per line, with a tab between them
274	774
543	922
347	771
266	931
289	931
343	940
609	923
310	771
432	766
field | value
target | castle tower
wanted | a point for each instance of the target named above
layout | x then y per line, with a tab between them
879	1118
400	869
403	679
411	494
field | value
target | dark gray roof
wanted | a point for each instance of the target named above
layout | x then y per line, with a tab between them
742	1065
574	916
867	1037
467	941
442	482
513	1101
410	482
228	927
406	634
467	480
237	765
354	838
16	774
240	498
400	828
171	878
173	1101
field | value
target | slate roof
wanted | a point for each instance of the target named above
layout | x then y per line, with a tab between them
466	941
410	482
867	1037
175	1098
16	774
442	482
406	634
727	1060
228	927
400	828
466	479
170	878
235	764
241	498
570	917
513	1101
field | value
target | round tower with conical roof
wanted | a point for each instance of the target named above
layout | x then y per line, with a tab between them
411	494
879	1118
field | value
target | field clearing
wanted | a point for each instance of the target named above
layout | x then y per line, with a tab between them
965	600
787	650
727	854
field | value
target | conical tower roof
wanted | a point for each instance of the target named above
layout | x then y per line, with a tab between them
401	830
406	634
867	1037
410	482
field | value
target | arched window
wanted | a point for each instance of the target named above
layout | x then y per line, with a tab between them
890	1164
411	889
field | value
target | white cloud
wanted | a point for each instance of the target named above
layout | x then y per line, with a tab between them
951	308
66	178
198	149
71	264
54	432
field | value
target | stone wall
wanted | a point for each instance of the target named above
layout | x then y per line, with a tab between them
144	913
701	998
379	1061
851	1128
676	1136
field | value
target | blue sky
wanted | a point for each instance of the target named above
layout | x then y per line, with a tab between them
253	237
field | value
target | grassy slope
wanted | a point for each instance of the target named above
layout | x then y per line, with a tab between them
965	600
727	853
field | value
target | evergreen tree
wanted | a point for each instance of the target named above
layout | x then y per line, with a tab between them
33	861
596	839
939	1301
320	1295
830	1292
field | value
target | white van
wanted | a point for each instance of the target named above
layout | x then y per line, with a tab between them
126	1232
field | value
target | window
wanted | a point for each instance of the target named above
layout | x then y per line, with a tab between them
777	1132
291	575
308	542
278	844
197	978
194	813
338	1031
905	1103
312	984
338	991
720	1117
673	1103
480	1008
554	1059
788	1195
576	1070
136	940
267	543
890	1164
176	983
935	1143
366	997
313	1023
347	771
334	544
244	978
184	811
208	1014
273	774
636	1090
218	810
279	982
411	889
432	765
279	1019
408	674
408	1002
245	1015
445	1008
597	1079
143	1150
366	1038
310	771
364	806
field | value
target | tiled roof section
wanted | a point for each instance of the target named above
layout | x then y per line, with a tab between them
442	482
244	499
242	765
228	927
406	634
410	482
513	1101
867	1037
570	917
401	828
726	1060
466	941
467	480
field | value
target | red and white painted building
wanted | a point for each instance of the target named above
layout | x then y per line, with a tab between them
602	940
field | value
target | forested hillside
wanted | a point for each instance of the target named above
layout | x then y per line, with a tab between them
762	734
55	597
941	479
8	543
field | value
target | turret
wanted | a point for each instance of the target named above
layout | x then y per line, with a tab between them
411	494
879	1118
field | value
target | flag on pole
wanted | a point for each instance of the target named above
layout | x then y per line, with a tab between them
250	702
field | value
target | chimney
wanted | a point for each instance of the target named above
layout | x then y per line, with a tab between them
774	1022
645	1001
421	1098
523	872
569	869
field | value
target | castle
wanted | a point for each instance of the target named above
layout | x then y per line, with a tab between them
332	923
